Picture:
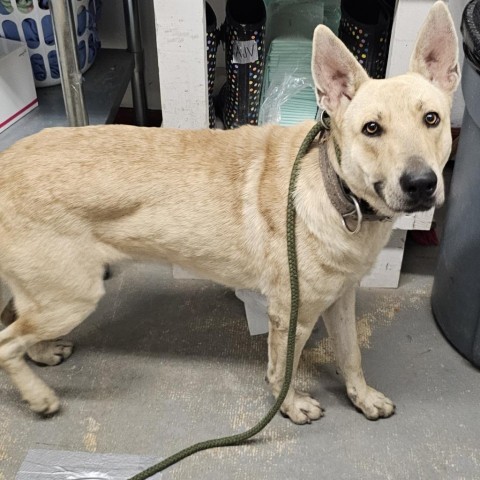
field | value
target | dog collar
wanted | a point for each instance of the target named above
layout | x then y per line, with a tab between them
352	209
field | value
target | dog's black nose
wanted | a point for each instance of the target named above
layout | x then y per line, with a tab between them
419	185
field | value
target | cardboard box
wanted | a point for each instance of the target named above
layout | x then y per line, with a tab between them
17	89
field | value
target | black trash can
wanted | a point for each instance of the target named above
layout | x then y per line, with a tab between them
456	287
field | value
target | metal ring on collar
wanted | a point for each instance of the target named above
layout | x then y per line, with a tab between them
358	212
324	120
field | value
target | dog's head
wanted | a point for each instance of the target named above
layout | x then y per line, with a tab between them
394	134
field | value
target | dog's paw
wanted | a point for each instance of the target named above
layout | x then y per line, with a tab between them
51	352
43	401
302	409
373	404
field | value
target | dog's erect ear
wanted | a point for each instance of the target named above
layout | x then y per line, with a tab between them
336	72
435	55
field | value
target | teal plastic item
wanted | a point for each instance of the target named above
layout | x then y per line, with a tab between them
288	95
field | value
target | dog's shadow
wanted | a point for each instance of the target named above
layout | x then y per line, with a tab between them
153	315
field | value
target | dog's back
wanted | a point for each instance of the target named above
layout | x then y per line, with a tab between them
190	197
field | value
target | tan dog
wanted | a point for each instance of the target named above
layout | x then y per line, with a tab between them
215	202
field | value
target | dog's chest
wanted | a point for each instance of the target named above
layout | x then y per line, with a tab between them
329	263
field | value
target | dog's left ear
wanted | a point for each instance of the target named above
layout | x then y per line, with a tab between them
336	72
435	55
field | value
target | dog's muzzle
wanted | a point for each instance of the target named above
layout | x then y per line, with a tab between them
419	189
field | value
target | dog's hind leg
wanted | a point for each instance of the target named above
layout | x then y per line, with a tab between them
49	352
49	305
300	407
341	326
35	325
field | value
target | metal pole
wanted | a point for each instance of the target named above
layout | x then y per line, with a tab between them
66	45
134	45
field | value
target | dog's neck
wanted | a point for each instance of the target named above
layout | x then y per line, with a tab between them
352	208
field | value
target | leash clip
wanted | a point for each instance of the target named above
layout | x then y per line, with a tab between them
356	211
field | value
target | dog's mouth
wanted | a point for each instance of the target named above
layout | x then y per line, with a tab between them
418	207
403	204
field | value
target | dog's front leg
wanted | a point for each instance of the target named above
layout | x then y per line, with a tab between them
341	325
298	406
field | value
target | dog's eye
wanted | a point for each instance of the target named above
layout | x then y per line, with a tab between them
372	129
432	119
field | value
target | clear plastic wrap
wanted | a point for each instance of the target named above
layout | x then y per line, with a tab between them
289	101
62	465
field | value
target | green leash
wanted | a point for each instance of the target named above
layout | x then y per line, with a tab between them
294	304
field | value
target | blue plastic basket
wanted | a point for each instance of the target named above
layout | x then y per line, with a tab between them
30	21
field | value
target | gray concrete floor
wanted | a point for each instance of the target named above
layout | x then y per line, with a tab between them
164	363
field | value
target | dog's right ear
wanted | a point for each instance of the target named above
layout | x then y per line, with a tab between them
435	55
336	72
